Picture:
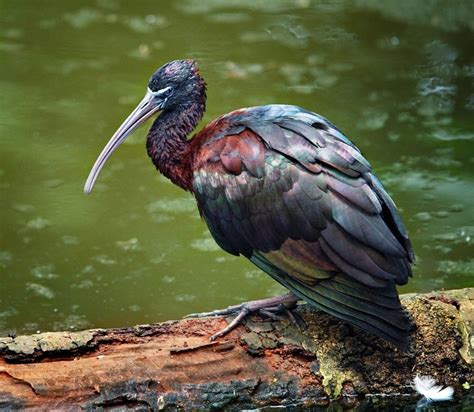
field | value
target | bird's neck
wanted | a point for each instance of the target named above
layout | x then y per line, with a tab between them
167	143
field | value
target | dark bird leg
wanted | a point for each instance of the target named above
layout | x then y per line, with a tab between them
266	307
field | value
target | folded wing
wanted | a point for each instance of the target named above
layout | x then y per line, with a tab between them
289	191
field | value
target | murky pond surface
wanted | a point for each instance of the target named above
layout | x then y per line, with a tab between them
398	80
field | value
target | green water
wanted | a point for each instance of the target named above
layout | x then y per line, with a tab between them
397	78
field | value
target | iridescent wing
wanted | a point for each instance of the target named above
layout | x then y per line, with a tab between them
285	188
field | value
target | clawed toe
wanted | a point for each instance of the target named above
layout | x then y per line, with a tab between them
274	311
269	308
244	312
267	314
215	313
296	319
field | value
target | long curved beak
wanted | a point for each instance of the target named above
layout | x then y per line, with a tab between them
145	109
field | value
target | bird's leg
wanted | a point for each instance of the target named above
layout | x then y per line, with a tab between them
252	306
264	306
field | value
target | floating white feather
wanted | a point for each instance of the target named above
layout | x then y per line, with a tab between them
426	386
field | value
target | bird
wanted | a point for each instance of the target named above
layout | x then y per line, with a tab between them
285	188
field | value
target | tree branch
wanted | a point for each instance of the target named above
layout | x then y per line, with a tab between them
173	365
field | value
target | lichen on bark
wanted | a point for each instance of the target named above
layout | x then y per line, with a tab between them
173	365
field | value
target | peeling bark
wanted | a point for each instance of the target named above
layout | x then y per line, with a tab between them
173	365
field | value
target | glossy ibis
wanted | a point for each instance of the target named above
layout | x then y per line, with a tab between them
288	190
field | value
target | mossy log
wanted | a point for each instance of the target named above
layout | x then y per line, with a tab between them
174	365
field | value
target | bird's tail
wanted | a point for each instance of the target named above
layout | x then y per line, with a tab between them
375	310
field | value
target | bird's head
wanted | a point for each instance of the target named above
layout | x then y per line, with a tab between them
176	83
171	87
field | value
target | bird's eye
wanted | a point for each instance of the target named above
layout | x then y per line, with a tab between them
163	93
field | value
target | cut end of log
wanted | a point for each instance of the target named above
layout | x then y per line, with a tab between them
174	365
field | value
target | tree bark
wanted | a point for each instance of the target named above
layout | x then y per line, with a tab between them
173	365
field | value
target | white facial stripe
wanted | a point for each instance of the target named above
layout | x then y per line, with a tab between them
159	92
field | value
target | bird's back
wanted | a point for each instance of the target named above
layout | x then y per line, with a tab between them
285	188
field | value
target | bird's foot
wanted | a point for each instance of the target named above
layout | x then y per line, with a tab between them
266	307
287	310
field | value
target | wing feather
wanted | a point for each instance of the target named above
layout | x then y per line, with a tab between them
288	190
